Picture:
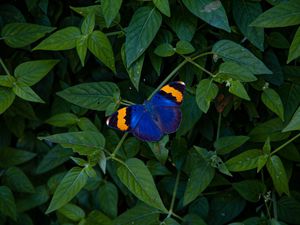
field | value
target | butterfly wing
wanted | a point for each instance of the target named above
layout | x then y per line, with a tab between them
137	120
166	106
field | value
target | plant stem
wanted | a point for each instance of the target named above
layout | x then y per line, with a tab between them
176	216
219	126
4	67
190	60
119	145
114	33
285	144
274	201
127	102
174	194
201	55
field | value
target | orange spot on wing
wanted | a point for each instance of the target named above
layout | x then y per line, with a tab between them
174	92
121	123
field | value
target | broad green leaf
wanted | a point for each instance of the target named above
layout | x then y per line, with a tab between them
206	91
12	157
86	124
200	177
81	48
25	92
31	72
233	52
96	96
7	81
139	214
100	46
82	142
244	161
88	24
262	160
72	212
163	6
235	71
289	210
211	11
55	157
142	29
107	196
135	70
63	39
68	188
164	50
238	89
184	47
157	169
282	15
156	62
7	203
294	51
200	207
7	97
170	221
138	179
267	146
97	218
18	35
271	128
110	9
251	190
278	40
278	174
244	12
17	180
273	101
159	149
193	219
62	120
227	144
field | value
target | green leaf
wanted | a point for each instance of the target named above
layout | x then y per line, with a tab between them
238	89
289	210
233	52
12	157
200	177
86	124
294	123
135	70
137	178
72	212
63	39
262	160
7	97
193	219
18	35
235	71
63	120
267	146
82	142
110	9
107	197
294	51
282	15
54	158
244	12
271	128
17	180
100	46
211	11
225	145
139	214
7	203
31	72
68	188
278	174
88	24
251	190
244	161
25	92
97	218
7	81
164	50
159	149
81	48
206	91
96	96
142	29
184	47
163	6
273	101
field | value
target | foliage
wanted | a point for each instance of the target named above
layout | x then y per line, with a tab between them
67	65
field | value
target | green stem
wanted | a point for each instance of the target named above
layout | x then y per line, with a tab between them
117	160
4	67
127	102
174	194
190	60
168	77
176	216
285	144
274	201
119	146
201	55
219	126
114	33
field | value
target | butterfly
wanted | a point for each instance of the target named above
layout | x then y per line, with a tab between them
155	117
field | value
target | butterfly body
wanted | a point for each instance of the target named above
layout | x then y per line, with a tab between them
156	117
